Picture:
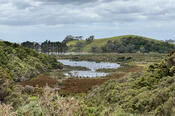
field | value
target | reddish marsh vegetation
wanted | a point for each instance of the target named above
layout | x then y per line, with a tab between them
40	81
83	85
77	85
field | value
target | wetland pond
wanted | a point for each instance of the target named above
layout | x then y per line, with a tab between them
92	66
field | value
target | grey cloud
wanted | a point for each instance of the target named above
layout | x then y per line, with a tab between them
127	10
3	1
22	5
30	12
68	1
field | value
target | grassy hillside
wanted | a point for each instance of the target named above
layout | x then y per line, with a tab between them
112	45
97	42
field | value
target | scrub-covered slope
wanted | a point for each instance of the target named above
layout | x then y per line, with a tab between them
18	63
149	93
21	63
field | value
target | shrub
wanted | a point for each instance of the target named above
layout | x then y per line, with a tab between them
6	110
54	105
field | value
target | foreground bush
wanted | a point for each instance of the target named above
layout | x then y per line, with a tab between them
49	104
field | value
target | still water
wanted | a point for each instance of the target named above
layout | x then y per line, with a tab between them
93	66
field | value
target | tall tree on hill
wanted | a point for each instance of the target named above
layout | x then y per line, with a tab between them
68	38
53	47
44	47
31	45
90	39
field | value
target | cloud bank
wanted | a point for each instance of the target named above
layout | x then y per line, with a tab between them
58	12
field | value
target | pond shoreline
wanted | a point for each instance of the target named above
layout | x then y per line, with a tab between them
92	66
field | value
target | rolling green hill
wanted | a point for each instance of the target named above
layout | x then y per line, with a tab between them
121	44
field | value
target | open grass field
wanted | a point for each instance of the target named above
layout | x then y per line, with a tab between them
118	58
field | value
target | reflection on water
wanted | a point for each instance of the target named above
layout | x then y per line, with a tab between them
93	66
91	74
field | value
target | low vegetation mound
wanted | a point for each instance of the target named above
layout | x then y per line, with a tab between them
121	44
148	93
22	63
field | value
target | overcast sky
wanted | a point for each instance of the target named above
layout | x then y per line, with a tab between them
38	20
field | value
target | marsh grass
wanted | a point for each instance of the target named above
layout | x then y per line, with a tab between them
84	85
40	81
115	57
125	68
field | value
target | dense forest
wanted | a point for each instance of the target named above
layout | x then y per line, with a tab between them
46	46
